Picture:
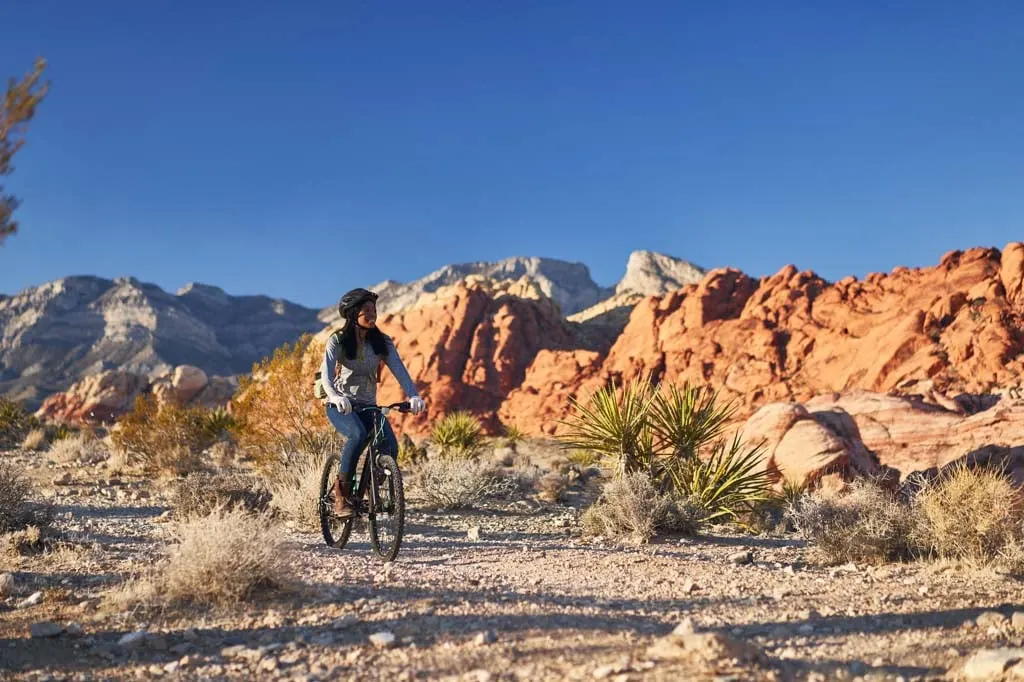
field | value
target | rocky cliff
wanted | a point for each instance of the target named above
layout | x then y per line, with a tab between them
61	332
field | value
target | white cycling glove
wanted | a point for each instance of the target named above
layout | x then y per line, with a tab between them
342	404
417	405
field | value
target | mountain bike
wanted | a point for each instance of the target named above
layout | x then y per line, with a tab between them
381	478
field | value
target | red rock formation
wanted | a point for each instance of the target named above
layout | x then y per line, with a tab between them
468	348
102	397
791	336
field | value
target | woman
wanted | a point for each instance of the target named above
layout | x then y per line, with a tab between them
358	350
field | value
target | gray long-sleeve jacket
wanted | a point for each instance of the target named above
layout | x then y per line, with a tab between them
357	378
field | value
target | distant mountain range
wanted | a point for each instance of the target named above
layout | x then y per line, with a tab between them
54	335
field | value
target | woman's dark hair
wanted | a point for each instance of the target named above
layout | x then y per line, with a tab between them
349	307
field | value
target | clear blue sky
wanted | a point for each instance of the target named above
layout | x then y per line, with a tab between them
300	148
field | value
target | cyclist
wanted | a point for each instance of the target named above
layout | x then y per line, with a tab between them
358	351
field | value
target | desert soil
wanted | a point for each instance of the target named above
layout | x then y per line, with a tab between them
508	592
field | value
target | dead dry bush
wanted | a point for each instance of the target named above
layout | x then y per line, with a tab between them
631	509
295	490
968	514
199	493
866	524
165	439
35	441
224	558
460	484
82	447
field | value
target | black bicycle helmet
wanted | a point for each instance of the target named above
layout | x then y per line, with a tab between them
353	300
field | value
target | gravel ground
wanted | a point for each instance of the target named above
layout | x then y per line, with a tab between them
509	592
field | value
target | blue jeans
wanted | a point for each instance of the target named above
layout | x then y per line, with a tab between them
356	427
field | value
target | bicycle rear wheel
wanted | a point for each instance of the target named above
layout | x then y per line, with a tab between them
335	531
387	521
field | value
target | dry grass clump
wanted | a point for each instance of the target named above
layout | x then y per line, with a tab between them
35	440
223	558
968	514
295	491
866	524
167	439
631	508
458	484
82	447
199	493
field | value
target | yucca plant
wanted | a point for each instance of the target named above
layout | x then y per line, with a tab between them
513	434
219	422
458	434
685	420
614	424
731	482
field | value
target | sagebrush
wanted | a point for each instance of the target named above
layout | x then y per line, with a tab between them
295	490
200	493
632	508
226	557
866	524
457	484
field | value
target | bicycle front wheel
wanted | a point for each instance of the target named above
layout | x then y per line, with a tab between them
335	530
387	521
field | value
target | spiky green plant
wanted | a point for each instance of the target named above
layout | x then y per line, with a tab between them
685	420
219	423
513	434
614	424
731	482
458	435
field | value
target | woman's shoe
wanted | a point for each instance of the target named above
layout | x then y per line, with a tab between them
342	508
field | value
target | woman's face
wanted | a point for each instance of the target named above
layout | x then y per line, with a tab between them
367	315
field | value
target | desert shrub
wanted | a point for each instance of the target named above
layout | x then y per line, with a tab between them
17	510
458	435
274	409
552	486
295	490
675	437
410	455
82	447
164	438
35	440
459	484
223	558
631	508
15	423
14	495
865	524
199	493
58	432
969	514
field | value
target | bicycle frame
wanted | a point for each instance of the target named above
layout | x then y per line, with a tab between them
372	451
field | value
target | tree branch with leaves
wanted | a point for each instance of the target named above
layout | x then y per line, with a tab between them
19	107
